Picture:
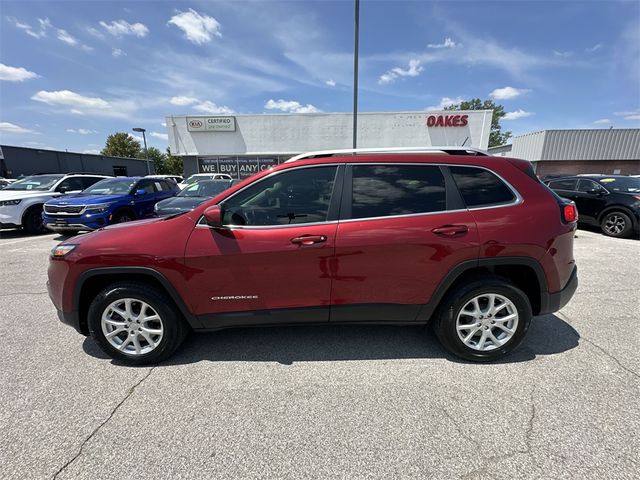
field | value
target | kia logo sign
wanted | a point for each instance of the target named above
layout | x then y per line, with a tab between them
195	123
447	120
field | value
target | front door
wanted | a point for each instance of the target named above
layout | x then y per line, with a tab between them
590	199
271	263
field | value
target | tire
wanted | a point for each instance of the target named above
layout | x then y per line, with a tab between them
616	224
450	316
134	335
123	216
32	221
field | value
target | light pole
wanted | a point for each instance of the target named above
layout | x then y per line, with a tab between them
355	74
146	153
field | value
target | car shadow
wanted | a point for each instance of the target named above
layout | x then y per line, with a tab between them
19	233
548	335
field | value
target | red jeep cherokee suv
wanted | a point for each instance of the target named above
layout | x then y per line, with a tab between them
473	244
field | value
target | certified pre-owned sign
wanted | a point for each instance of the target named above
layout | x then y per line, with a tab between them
211	124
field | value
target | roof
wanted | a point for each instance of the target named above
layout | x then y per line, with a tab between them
585	144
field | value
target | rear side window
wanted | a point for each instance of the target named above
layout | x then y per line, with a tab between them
563	185
480	187
385	190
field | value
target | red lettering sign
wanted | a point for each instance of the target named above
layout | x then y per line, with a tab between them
447	120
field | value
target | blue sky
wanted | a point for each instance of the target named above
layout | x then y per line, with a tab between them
73	72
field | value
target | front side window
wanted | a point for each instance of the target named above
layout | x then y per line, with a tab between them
480	187
589	186
292	197
70	184
146	185
386	190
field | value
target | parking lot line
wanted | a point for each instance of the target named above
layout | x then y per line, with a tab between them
25	239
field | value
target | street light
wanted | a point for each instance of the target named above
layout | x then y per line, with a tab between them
146	153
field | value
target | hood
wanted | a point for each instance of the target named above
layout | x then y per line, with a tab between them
24	194
179	204
86	199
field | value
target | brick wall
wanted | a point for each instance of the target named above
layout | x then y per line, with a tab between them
573	167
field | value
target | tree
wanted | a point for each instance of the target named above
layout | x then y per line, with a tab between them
121	144
497	136
172	165
157	157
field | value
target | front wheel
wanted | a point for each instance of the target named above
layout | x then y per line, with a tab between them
616	224
32	221
135	323
483	320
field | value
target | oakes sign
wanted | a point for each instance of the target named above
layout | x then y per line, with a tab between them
447	120
211	124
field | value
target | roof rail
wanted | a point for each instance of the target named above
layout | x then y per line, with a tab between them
355	151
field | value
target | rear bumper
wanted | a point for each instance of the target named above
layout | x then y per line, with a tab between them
552	302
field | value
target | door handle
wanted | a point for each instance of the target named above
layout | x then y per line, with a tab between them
309	239
450	230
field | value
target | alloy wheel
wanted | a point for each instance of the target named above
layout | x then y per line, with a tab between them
132	326
487	321
614	224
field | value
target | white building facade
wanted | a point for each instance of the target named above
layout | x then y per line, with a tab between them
242	145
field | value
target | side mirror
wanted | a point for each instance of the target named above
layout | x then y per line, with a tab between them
63	189
213	216
141	192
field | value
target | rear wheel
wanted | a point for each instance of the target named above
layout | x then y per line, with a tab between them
136	323
616	224
483	320
32	220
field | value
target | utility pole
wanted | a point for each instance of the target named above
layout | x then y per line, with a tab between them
355	74
146	153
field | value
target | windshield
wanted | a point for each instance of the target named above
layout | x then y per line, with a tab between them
36	182
621	184
111	186
204	189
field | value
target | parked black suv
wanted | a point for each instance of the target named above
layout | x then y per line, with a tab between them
611	202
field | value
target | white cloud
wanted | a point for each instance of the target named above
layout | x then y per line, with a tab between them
68	98
515	115
210	107
81	131
560	54
197	28
15	74
413	70
92	151
161	136
595	48
508	93
445	102
290	106
330	82
118	28
40	32
116	52
7	127
164	124
630	115
95	32
65	37
183	100
448	43
602	121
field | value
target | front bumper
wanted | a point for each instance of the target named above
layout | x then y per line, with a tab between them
552	302
60	223
10	216
73	320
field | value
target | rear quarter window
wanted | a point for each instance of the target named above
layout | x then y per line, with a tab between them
480	187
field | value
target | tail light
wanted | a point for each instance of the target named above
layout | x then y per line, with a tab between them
569	212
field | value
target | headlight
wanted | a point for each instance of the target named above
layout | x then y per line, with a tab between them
99	208
7	203
62	250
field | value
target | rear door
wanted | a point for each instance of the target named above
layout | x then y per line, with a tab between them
566	188
145	201
402	228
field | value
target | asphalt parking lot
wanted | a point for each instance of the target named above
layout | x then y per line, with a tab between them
320	402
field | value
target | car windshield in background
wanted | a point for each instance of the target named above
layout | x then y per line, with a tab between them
36	182
111	186
621	184
205	188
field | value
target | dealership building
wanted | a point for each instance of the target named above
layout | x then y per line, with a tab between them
242	145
